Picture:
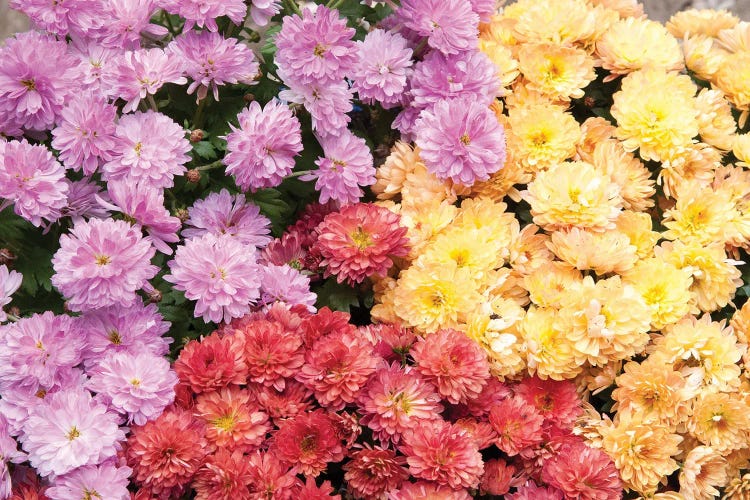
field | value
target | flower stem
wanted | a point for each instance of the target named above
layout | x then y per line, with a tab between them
392	5
168	20
292	6
198	117
334	4
152	102
299	173
210	166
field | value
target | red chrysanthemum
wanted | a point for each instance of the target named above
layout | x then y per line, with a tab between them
272	352
323	323
212	363
165	453
492	393
397	399
583	473
337	367
444	453
280	405
224	476
232	418
309	442
481	432
392	342
425	490
454	363
359	241
497	478
530	491
518	425
271	478
556	400
347	425
311	491
373	472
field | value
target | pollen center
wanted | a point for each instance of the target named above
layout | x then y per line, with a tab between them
73	433
102	260
361	238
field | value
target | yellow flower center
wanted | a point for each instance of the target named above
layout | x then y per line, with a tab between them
114	337
29	84
225	422
135	382
137	148
320	50
102	260
361	238
465	139
73	433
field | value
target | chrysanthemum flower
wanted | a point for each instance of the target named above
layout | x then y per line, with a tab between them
271	477
233	421
707	22
32	180
220	273
497	477
428	490
327	103
225	476
166	453
479	250
346	166
517	423
149	147
450	27
211	60
102	263
286	285
374	471
309	442
106	480
556	401
384	63
583	472
703	470
62	18
261	151
272	352
126	22
203	13
397	399
549	351
627	171
720	420
638	227
444	453
470	132
70	429
139	385
84	200
85	132
731	79
603	252
261	11
10	281
700	214
541	135
563	22
558	72
295	398
212	363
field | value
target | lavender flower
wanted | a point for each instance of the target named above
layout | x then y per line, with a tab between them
383	66
286	284
61	18
10	281
105	480
126	22
84	198
328	104
94	61
203	13
261	11
8	453
449	25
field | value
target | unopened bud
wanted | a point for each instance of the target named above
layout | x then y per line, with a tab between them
182	214
249	97
590	102
14	311
153	294
6	256
193	176
197	135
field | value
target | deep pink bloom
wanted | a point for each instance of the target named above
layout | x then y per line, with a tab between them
225	476
309	442
84	200
286	285
346	166
281	405
212	363
124	21
311	491
494	392
383	67
497	478
392	342
103	481
271	477
461	140
223	213
557	401
315	48
373	472
10	281
518	425
272	352
70	429
220	273
203	13
150	147
211	60
327	103
263	10
449	25
136	74
530	491
37	77
32	180
582	472
261	151
426	490
102	263
233	419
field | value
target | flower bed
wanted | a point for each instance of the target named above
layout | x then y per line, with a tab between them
439	249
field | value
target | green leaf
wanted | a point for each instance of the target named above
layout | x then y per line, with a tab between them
273	206
337	296
268	50
205	150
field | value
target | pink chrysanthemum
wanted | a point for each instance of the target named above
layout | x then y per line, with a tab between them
395	400
557	401
212	363
346	166
37	77
286	285
165	453
337	367
281	405
309	442
124	21
530	491
134	329
134	75
233	420
480	431
92	482
83	200
204	13
150	147
325	322
272	352
469	74
102	263
315	48
8	453
392	342
70	429
59	18
220	273
444	453
261	151
32	180
34	349
271	477
211	60
225	476
517	424
373	472
484	8
223	213
358	242
10	281
497	478
383	67
138	385
461	140
583	472
93	59
454	363
85	132
327	103
449	25
426	490
263	10
311	491
494	392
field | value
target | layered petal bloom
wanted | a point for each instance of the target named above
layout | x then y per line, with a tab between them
327	103
223	213
373	472
449	25
212	363
83	200
126	21
102	263
60	18
103	481
286	285
10	281
263	10
225	476
261	151
383	67
423	490
203	13
233	420
220	273
583	472
518	425
273	352
309	442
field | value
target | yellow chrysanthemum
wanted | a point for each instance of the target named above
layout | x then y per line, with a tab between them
602	252
741	149
562	22
383	310
736	38
628	172
548	284
528	250
738	488
716	124
502	57
741	323
495	329
574	194
625	8
703	471
595	379
503	284
391	175
641	451
476	250
424	222
486	214
502	183
635	43
559	72
703	56
700	214
664	287
593	131
696	162
549	353
541	135
721	420
638	227
734	183
422	187
656	113
499	29
733	78
715	277
430	297
708	22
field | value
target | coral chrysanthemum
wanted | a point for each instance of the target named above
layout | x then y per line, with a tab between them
373	472
212	363
272	352
225	476
517	423
233	421
308	441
